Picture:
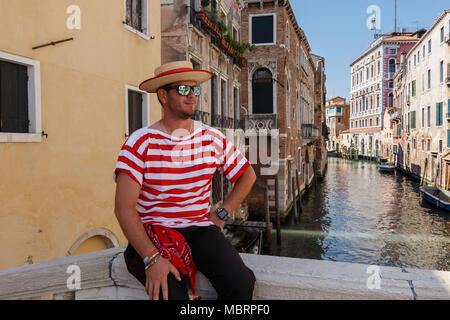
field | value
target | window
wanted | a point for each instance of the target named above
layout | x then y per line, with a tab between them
439	113
20	99
418	56
448	138
423	118
14	97
214	98
429	46
262	91
413	119
414	88
440	146
137	104
442	34
392	51
136	17
428	117
392	66
391	84
288	36
370	122
288	104
423	145
423	53
429	79
236	107
441	71
262	29
224	96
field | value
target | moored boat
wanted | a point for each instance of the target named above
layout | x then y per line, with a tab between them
386	167
436	196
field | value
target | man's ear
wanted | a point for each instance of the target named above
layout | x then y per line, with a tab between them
162	96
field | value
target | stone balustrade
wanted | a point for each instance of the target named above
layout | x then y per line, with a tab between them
103	275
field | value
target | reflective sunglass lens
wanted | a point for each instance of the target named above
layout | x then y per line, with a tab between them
197	90
184	90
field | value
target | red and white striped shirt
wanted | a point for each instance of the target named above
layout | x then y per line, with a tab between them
175	173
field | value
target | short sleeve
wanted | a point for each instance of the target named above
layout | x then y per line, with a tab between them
234	163
131	159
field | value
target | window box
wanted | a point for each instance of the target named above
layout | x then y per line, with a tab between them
208	23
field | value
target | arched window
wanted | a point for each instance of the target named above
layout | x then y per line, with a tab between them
262	91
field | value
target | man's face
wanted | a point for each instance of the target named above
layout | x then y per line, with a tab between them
179	106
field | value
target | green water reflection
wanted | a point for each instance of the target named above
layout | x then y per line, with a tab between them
358	214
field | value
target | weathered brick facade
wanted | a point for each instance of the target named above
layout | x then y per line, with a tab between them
292	69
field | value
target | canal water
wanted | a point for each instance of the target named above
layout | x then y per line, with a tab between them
357	214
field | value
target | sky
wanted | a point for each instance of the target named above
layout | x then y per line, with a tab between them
337	30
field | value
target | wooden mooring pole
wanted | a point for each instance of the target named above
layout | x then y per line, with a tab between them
294	201
268	244
277	212
299	193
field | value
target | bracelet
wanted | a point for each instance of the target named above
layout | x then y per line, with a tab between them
153	262
152	254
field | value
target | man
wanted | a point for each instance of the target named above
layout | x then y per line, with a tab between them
163	184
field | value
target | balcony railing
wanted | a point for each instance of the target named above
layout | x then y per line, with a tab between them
261	121
218	120
310	131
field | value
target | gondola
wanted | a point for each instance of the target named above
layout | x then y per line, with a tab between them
436	196
386	167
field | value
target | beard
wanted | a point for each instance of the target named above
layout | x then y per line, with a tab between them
181	113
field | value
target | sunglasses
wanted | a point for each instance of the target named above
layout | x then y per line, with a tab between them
184	90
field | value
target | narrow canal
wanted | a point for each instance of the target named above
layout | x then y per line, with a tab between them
357	214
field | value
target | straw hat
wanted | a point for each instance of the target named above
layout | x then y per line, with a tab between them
173	72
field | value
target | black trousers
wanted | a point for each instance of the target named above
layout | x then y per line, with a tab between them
214	256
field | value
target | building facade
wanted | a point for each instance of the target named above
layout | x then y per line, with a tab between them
208	33
372	84
424	99
69	99
278	93
338	118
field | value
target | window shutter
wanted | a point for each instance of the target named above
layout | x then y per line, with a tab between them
13	98
448	138
134	111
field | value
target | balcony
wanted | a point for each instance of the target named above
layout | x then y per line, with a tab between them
217	120
309	133
261	122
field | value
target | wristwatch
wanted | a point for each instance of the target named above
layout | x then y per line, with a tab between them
222	213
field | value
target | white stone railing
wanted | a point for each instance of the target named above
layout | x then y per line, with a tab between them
103	275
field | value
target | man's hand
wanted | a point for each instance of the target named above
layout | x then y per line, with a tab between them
217	221
156	278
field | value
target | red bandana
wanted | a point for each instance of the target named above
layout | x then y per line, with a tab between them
173	247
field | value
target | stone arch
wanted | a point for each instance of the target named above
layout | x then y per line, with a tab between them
108	238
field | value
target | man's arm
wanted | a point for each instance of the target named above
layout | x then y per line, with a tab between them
127	193
240	191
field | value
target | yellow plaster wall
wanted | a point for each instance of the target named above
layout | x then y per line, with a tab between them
56	190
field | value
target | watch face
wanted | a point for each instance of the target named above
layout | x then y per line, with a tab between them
222	213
